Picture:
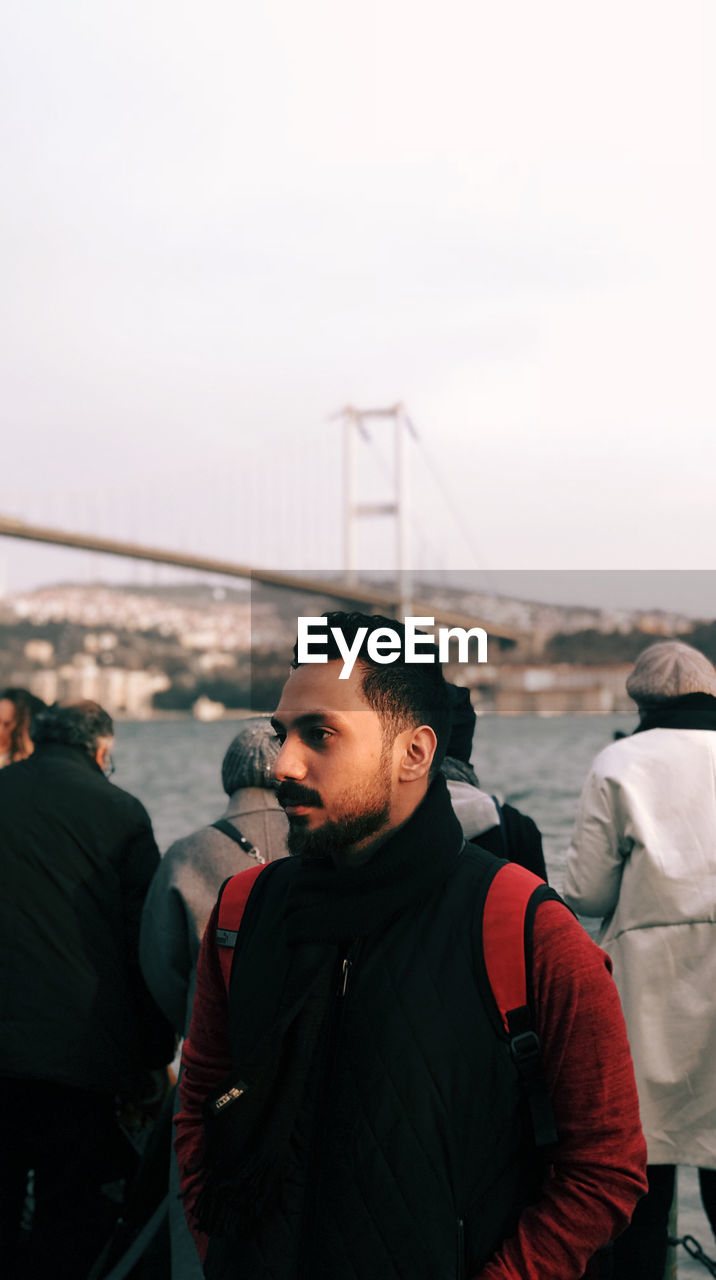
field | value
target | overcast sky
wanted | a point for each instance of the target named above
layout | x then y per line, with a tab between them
221	223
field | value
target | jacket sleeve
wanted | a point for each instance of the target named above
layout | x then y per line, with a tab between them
139	862
595	859
165	951
205	1062
156	1042
599	1168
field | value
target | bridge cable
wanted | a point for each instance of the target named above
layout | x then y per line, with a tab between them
453	507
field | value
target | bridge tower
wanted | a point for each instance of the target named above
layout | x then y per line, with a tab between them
354	427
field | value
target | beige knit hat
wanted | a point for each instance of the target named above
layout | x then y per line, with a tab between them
670	669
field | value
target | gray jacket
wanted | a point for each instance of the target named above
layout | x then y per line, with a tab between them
185	888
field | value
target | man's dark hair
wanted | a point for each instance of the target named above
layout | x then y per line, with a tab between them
404	694
74	724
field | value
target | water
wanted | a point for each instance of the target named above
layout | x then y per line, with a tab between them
174	767
536	764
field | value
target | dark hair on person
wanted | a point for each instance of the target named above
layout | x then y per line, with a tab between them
74	724
27	706
404	694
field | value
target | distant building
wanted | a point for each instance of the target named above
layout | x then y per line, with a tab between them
44	684
121	691
562	690
205	709
40	651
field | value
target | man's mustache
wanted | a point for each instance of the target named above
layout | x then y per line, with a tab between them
291	793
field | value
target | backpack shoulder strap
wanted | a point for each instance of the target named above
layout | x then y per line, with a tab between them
233	896
508	918
228	829
503	830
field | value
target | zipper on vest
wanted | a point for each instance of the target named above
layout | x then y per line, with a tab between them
330	1059
460	1249
346	973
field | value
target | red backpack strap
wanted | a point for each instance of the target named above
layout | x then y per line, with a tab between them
512	899
233	897
503	935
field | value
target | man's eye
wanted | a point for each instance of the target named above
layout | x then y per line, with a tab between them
318	735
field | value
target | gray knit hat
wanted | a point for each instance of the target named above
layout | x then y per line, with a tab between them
251	756
670	669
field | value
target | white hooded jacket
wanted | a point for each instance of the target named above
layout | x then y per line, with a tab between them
643	855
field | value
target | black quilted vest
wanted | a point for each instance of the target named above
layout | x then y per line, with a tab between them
412	1158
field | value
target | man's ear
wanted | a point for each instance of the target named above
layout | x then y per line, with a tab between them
417	751
102	753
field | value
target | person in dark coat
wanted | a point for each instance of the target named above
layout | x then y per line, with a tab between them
77	855
500	828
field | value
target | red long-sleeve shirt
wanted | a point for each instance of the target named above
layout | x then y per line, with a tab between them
598	1173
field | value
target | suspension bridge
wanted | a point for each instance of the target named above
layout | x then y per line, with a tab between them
344	589
363	500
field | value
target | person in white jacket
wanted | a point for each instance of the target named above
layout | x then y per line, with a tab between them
643	856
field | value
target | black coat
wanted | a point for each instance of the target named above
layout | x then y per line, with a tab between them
76	858
516	838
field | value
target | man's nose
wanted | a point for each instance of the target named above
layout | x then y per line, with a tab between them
289	762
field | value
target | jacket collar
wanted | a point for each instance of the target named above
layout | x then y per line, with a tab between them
329	903
251	800
692	711
61	751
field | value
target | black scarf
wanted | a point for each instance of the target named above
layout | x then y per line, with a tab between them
326	909
691	711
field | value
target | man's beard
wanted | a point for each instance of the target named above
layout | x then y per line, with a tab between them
336	837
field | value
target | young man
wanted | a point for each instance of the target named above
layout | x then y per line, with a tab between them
368	1121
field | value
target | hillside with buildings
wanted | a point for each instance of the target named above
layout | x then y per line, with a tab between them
141	651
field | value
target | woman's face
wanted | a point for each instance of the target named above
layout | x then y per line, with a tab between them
8	720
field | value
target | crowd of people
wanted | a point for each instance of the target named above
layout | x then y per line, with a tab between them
353	1101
